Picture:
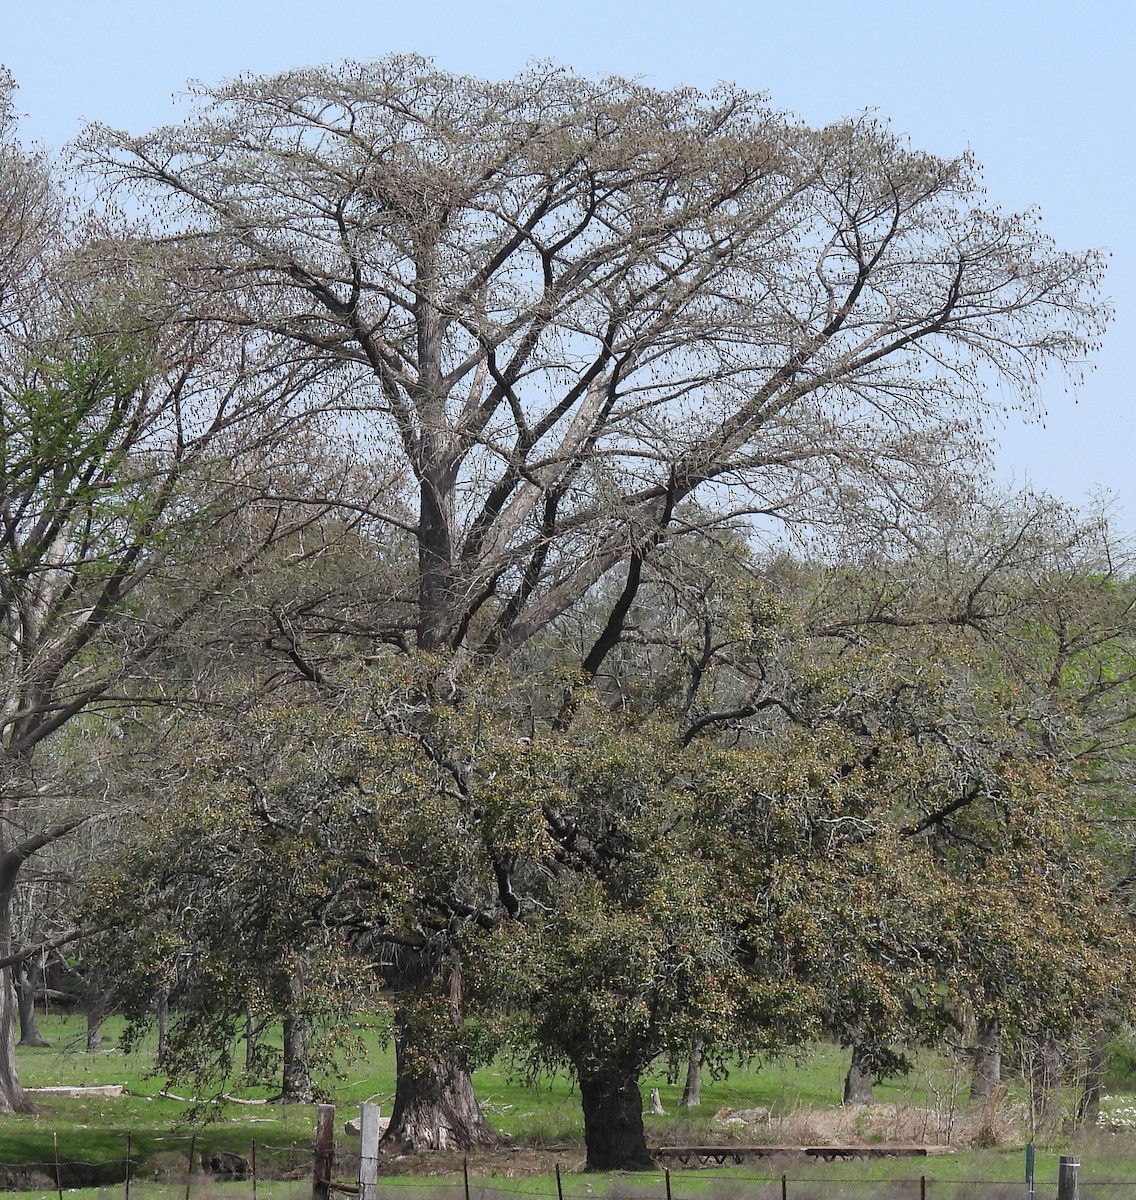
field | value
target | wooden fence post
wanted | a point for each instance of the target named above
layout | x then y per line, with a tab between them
368	1151
1067	1173
324	1152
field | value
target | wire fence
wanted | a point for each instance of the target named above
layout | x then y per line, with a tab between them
196	1166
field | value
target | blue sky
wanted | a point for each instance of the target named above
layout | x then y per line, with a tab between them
1044	97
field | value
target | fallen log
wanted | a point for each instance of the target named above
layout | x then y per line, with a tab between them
109	1089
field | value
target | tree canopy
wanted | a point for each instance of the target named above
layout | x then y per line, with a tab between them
488	429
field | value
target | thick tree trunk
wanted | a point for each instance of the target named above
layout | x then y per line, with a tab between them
434	1105
613	1120
296	1085
13	854
692	1090
1092	1083
858	1081
986	1072
95	1014
12	1098
25	998
1045	1070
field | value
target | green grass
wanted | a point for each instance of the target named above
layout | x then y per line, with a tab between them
94	1130
542	1115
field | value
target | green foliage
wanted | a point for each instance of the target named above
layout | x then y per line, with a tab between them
780	832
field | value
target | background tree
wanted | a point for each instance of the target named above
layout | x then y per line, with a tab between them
126	445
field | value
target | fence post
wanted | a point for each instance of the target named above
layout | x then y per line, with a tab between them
189	1170
324	1152
253	1149
559	1185
1067	1173
128	1164
784	1186
58	1173
668	1179
368	1150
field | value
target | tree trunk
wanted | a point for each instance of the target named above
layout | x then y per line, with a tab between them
296	1086
12	1098
858	1081
1092	1082
95	1014
162	1008
692	1090
613	1120
1045	1069
13	854
25	998
434	1103
986	1073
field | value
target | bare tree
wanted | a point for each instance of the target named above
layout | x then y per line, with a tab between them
566	308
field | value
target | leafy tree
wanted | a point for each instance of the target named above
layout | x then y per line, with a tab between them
603	883
1033	604
127	443
566	308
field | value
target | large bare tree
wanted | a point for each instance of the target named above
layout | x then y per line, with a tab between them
565	308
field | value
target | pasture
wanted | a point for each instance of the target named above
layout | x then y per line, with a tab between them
541	1128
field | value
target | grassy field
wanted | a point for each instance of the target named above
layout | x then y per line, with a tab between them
544	1126
548	1114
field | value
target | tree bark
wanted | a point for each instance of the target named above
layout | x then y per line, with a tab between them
986	1072
1046	1067
95	1014
25	998
434	1103
858	1081
1092	1083
613	1120
252	1031
12	1098
296	1085
692	1090
162	1009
